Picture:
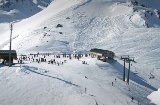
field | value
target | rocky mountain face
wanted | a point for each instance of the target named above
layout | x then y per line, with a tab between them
149	11
11	10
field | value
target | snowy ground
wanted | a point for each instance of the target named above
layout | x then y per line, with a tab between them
153	95
72	83
108	24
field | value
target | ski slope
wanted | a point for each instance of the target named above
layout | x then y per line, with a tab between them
87	84
115	25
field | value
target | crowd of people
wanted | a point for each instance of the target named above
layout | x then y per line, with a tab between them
49	58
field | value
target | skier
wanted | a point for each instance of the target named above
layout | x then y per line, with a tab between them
132	99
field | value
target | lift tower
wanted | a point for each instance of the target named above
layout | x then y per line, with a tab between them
127	59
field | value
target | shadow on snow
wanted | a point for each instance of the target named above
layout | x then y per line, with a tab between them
29	69
117	66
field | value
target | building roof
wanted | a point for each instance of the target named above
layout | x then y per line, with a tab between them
7	51
5	54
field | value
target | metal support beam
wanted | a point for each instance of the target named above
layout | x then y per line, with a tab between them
127	59
124	71
10	64
128	72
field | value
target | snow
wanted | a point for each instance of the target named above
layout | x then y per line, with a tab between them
53	84
21	9
105	24
138	20
155	97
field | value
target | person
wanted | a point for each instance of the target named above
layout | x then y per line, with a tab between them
112	83
132	99
51	61
85	89
70	57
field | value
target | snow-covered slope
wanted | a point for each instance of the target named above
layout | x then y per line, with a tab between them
153	95
67	84
122	26
11	10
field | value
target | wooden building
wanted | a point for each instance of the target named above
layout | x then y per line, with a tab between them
100	53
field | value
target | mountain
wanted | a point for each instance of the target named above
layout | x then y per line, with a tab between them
11	10
121	26
126	27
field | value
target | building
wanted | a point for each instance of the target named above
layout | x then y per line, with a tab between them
4	54
100	53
